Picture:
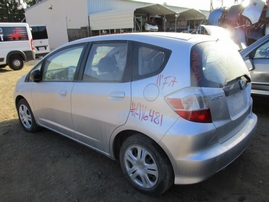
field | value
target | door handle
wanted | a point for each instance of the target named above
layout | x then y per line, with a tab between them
62	93
116	95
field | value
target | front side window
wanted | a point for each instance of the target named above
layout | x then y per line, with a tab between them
106	62
62	65
262	52
214	64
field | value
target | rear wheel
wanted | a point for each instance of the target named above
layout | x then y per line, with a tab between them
145	165
16	62
26	117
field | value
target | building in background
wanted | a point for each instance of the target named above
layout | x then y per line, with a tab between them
67	20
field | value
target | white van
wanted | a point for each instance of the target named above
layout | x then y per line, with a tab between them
16	45
40	39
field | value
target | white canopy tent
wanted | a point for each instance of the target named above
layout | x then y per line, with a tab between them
124	18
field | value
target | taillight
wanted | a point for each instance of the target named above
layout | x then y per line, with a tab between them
32	44
190	104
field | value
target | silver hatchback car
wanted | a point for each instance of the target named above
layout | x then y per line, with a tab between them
173	108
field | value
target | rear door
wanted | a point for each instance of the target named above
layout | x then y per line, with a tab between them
101	101
222	75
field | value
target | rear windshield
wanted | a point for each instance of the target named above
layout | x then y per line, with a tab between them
214	64
39	32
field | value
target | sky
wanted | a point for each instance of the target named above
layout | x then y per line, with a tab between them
198	4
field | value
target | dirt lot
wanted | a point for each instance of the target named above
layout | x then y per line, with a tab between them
48	167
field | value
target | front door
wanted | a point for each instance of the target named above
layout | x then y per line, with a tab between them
52	96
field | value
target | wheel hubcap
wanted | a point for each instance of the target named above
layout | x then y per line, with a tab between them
16	63
141	167
25	116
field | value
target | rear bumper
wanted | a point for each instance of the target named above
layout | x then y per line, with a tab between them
197	165
260	92
30	55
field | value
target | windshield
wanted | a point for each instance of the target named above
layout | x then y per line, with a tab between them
214	64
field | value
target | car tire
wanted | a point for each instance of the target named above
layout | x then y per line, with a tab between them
26	117
16	62
151	173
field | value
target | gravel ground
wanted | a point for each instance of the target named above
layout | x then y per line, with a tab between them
48	167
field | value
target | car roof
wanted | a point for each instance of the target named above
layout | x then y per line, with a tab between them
12	24
149	37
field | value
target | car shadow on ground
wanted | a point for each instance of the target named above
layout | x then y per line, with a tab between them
260	104
5	69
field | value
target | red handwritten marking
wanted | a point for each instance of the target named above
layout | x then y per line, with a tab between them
166	81
159	118
195	63
159	79
140	111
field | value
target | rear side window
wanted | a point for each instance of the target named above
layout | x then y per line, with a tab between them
262	52
148	60
214	64
13	34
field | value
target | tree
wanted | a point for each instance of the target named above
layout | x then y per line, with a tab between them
11	11
31	2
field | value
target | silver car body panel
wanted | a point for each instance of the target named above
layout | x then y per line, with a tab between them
239	34
98	109
259	67
254	10
215	16
193	166
51	104
233	12
267	28
95	113
260	75
232	111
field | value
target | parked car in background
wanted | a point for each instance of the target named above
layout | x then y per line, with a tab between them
174	108
16	45
151	26
256	57
40	39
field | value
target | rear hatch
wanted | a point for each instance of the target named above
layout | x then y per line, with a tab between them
220	73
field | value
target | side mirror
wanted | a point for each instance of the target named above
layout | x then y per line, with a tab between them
249	64
35	76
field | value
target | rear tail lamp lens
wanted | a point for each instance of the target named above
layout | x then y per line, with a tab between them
190	104
32	44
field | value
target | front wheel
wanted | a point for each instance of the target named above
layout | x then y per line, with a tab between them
145	165
26	117
16	62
